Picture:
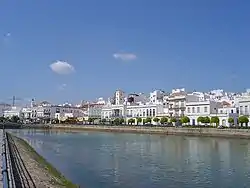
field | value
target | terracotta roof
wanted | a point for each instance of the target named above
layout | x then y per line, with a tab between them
177	94
224	103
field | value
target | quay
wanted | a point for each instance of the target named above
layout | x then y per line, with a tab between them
210	132
22	166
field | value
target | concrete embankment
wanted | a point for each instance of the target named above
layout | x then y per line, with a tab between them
239	133
43	174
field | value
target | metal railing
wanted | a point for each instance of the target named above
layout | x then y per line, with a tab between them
21	176
14	171
6	165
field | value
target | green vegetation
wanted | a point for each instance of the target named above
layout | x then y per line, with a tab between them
243	120
164	120
131	121
230	121
185	120
118	121
204	120
173	120
148	120
60	179
215	120
156	120
139	120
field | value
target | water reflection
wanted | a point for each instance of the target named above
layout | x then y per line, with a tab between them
129	160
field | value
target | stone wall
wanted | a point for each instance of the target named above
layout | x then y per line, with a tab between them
244	133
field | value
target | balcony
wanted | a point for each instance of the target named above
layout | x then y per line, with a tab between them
116	116
177	107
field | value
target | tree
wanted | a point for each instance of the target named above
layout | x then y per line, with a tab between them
215	120
243	119
139	120
185	120
2	119
148	120
14	119
131	121
156	120
230	121
117	121
122	121
200	119
164	120
173	120
206	120
90	120
103	121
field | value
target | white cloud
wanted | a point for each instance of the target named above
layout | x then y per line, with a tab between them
7	34
62	87
125	56
62	67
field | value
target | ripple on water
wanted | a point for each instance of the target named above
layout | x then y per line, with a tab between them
108	160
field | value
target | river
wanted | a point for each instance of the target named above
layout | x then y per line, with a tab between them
108	160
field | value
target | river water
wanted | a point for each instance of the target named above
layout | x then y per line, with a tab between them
108	160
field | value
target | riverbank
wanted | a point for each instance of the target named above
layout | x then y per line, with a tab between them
210	132
42	172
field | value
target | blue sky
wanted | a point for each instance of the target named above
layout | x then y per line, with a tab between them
134	45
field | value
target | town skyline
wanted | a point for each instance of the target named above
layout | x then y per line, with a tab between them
26	101
86	49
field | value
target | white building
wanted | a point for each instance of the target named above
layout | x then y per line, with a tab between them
201	108
119	97
156	97
4	107
46	110
13	111
210	108
93	110
132	111
135	105
177	102
243	103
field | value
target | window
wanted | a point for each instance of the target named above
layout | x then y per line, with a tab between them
241	109
246	110
153	112
147	112
193	110
188	109
205	109
150	112
198	109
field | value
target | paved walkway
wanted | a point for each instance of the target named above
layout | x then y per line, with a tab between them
1	159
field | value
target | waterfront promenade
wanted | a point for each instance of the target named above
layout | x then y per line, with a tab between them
230	133
1	161
22	167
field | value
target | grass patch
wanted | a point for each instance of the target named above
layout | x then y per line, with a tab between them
60	179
